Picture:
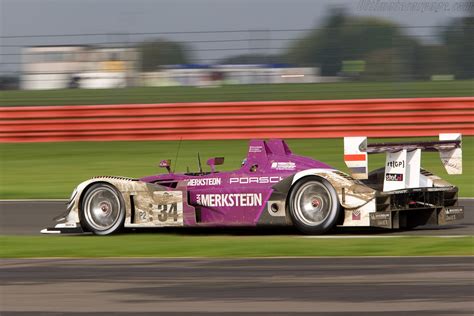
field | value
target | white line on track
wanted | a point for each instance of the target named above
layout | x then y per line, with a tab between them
379	236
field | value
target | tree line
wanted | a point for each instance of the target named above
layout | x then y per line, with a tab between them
365	48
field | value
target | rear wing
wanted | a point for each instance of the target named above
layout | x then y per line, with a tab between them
403	159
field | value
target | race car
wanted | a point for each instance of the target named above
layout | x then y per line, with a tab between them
276	187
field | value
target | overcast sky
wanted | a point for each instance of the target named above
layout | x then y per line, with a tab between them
53	17
27	17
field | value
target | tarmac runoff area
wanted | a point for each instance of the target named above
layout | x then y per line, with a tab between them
269	286
28	217
300	286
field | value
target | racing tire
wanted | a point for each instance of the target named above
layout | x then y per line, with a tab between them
102	210
314	206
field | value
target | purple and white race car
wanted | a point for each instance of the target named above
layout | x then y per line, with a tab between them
276	187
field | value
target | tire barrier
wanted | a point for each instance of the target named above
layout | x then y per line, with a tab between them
239	120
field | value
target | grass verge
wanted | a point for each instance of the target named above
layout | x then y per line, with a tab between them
177	245
318	91
52	170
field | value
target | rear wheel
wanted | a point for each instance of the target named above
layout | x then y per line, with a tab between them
102	209
314	206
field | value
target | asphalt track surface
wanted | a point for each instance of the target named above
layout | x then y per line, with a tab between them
270	286
29	217
303	286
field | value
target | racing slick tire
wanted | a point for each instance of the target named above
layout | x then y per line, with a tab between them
314	206
102	210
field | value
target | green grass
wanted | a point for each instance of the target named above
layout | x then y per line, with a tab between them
179	245
320	91
52	170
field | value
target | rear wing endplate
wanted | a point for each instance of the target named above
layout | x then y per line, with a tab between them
403	159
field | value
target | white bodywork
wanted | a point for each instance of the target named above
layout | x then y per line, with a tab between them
150	202
402	171
451	159
355	156
403	160
357	199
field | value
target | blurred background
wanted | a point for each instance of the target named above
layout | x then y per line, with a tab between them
112	87
146	53
122	44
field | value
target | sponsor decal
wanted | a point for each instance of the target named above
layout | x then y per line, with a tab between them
255	149
356	215
453	213
381	219
454	210
380	216
204	181
66	225
394	177
260	180
283	165
229	199
396	164
396	170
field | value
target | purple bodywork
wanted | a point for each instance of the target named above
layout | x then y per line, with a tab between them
237	198
272	187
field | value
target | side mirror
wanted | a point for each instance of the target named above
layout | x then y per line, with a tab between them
166	164
213	162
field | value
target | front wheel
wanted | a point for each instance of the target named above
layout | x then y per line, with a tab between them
102	209
314	206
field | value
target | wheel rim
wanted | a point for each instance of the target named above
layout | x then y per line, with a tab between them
312	203
102	208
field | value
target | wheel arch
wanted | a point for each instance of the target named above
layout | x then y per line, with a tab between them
325	224
81	199
288	184
293	185
121	195
351	193
339	220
